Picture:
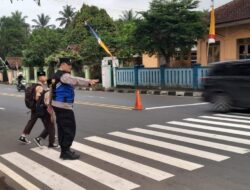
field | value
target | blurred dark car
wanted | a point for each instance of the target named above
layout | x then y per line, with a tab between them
228	85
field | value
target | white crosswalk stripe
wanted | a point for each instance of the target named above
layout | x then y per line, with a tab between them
218	123
233	116
209	144
241	114
88	170
183	149
203	134
19	179
41	173
147	153
226	119
210	128
136	167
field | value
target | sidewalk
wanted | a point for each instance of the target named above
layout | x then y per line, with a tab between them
166	92
169	92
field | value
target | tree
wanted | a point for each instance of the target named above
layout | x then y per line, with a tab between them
168	26
125	41
53	60
67	16
42	43
13	35
128	16
18	17
77	33
37	1
42	21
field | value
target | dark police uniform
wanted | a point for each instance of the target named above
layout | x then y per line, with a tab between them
62	102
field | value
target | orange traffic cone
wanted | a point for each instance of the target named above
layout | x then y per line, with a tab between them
138	103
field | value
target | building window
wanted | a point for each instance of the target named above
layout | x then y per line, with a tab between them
243	48
194	57
214	52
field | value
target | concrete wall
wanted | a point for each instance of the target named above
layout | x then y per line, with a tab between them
150	62
228	37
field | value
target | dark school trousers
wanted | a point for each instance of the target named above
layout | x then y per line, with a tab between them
66	125
49	127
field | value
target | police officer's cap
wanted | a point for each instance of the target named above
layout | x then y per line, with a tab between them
66	60
41	73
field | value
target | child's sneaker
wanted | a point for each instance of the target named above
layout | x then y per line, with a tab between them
54	145
24	140
38	140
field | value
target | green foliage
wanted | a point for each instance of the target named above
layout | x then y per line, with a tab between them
53	60
42	21
170	25
95	71
77	33
125	41
37	1
42	43
13	35
128	15
67	14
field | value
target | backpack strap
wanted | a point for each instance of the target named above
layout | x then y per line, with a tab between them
35	86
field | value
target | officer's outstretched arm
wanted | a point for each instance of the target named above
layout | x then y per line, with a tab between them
77	81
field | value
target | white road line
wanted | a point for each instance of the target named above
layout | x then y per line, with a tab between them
2	108
41	173
241	114
170	146
210	128
232	116
218	123
175	106
88	170
191	140
204	134
226	119
146	153
19	179
136	167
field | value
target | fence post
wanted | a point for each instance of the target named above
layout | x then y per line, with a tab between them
46	70
162	71
196	68
136	72
114	76
26	71
86	71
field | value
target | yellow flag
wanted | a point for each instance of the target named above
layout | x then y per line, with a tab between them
211	36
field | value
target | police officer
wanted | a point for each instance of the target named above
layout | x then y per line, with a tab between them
62	102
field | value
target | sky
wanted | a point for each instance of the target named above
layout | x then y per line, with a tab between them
52	7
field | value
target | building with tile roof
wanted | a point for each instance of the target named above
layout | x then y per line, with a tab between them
232	34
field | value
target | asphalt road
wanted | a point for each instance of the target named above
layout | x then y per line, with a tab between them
125	149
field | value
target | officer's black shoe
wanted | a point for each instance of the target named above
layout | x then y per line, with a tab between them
69	155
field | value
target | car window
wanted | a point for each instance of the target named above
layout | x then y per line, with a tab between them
242	69
231	69
217	70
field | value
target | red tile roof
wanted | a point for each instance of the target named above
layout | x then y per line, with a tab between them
233	11
14	62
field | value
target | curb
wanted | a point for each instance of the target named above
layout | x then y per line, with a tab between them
149	92
143	91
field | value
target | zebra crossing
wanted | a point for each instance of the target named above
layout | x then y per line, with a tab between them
216	138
